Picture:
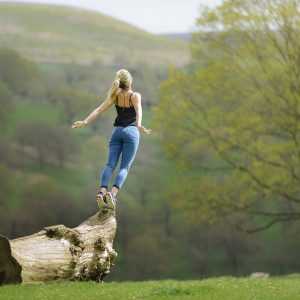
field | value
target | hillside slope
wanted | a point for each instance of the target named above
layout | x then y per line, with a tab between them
178	36
62	34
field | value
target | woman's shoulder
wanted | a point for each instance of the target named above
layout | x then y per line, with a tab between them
136	95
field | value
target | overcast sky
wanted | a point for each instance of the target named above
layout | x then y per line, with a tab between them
156	16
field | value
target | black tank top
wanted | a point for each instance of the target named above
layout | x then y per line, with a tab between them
126	115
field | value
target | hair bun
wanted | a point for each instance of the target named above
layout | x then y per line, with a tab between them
116	83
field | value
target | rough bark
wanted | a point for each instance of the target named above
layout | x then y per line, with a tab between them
60	253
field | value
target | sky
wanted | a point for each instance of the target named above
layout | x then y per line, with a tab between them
156	16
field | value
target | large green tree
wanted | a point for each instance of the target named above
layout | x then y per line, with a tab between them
231	120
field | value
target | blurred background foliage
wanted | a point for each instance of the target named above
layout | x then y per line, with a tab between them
223	160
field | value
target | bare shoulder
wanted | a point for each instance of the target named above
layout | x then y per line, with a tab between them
136	97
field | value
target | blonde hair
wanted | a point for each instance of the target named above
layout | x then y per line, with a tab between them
122	80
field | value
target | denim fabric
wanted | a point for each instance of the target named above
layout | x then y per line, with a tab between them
123	140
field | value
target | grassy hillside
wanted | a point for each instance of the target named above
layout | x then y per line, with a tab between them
225	288
178	36
61	34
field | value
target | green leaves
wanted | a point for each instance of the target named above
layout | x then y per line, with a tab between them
238	106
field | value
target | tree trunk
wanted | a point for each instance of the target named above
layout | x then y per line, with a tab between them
60	253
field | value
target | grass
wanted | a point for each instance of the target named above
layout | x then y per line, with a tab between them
223	288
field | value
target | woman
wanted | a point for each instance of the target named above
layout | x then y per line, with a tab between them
125	135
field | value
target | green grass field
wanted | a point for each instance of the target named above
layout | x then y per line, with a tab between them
223	288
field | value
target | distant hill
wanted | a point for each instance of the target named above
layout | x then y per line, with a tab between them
178	36
63	34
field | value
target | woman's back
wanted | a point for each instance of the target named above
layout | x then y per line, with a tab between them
123	98
125	109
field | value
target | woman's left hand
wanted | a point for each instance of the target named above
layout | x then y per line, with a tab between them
144	130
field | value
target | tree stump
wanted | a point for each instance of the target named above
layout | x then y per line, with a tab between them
60	253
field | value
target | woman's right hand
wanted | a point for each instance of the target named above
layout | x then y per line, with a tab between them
79	124
144	130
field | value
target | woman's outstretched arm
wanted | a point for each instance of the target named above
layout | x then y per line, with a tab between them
95	113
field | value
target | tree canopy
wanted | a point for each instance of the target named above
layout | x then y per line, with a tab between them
231	120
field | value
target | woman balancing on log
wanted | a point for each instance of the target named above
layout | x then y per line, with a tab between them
125	134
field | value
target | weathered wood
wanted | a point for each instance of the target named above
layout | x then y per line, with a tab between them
10	270
57	252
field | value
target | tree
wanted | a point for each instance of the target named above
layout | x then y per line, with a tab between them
232	119
19	74
73	102
7	185
6	103
62	144
48	144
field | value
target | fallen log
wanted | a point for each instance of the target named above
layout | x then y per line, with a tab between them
57	252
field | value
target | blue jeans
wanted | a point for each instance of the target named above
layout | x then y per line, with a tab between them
123	140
